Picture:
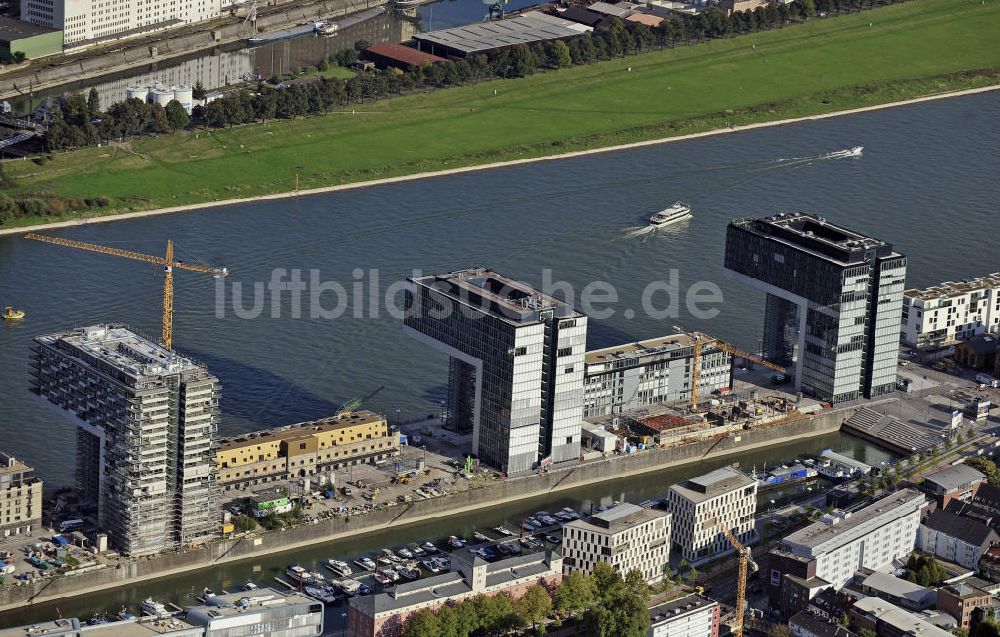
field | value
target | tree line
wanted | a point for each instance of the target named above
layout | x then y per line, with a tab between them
78	122
606	603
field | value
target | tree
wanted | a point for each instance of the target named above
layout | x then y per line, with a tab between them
198	92
423	623
985	628
635	582
779	630
623	614
576	593
808	8
361	45
534	605
94	103
607	581
557	54
986	467
866	632
244	523
7	207
158	119
177	117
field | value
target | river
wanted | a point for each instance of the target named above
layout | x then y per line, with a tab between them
926	182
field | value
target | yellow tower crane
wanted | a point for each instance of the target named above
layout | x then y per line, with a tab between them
746	562
700	340
167	262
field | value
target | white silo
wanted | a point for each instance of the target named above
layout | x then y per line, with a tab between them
185	95
161	96
137	92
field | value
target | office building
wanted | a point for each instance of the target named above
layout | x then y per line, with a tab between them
887	620
702	507
626	536
87	22
20	498
688	616
146	424
956	539
957	482
385	614
312	449
942	314
658	370
896	590
961	601
517	360
827	553
834	301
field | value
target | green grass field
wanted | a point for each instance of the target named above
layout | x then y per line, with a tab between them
894	53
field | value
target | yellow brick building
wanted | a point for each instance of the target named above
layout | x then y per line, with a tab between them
305	449
20	498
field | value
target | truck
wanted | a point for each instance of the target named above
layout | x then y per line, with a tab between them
987	380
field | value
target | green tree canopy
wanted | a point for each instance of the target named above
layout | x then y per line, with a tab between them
576	593
534	605
423	623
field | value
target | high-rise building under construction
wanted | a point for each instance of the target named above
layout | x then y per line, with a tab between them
147	420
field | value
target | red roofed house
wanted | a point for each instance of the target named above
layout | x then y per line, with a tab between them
397	55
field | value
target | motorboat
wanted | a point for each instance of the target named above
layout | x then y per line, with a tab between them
528	526
408	572
431	565
329	29
299	574
384	561
548	520
430	547
502	530
322	594
479	536
405	553
678	211
125	614
249	586
350	587
416	550
570	513
856	151
384	580
154	608
366	563
339	568
455	542
552	539
392	557
12	314
390	573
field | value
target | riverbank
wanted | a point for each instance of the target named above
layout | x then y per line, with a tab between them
825	66
492	495
489	166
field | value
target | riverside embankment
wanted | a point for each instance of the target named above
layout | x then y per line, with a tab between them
492	495
121	56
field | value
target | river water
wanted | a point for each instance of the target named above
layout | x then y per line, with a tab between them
927	182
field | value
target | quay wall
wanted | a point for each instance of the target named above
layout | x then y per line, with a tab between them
490	495
126	55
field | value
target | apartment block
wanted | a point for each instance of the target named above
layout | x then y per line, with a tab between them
954	538
659	370
20	498
702	507
385	614
626	536
689	616
305	449
833	301
516	364
952	311
86	22
146	422
827	553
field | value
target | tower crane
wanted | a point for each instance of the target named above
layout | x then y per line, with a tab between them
168	262
746	561
700	340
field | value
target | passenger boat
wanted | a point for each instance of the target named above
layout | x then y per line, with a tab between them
12	314
786	475
339	568
676	212
502	530
154	608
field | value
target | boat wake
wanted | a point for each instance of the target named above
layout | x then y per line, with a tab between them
837	154
650	231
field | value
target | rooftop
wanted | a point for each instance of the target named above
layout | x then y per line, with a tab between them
814	234
954	477
574	13
10	464
955	288
966	529
679	607
142	627
122	349
49	629
818	625
904	622
11	29
610	8
233	604
525	28
896	587
404	54
841	527
300	430
489	292
681	344
618	518
714	483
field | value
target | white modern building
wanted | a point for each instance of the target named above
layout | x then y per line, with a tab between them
690	616
952	311
956	539
146	422
626	536
702	507
85	22
516	364
654	371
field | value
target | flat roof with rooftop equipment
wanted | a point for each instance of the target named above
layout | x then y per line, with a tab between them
526	28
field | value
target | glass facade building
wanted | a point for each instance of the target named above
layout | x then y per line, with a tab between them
834	301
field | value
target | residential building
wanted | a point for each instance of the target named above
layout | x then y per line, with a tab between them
961	601
86	22
689	616
809	623
834	301
307	449
957	482
517	363
658	370
20	498
828	552
978	352
951	311
989	564
146	422
385	614
887	620
894	589
626	536
702	507
956	539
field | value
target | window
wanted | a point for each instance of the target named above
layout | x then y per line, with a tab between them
565	351
569	370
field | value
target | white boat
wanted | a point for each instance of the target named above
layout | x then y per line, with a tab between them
390	573
299	574
502	530
855	152
339	568
249	586
383	579
322	594
366	563
350	587
430	547
408	572
405	553
432	565
328	29
154	608
455	543
676	212
479	536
